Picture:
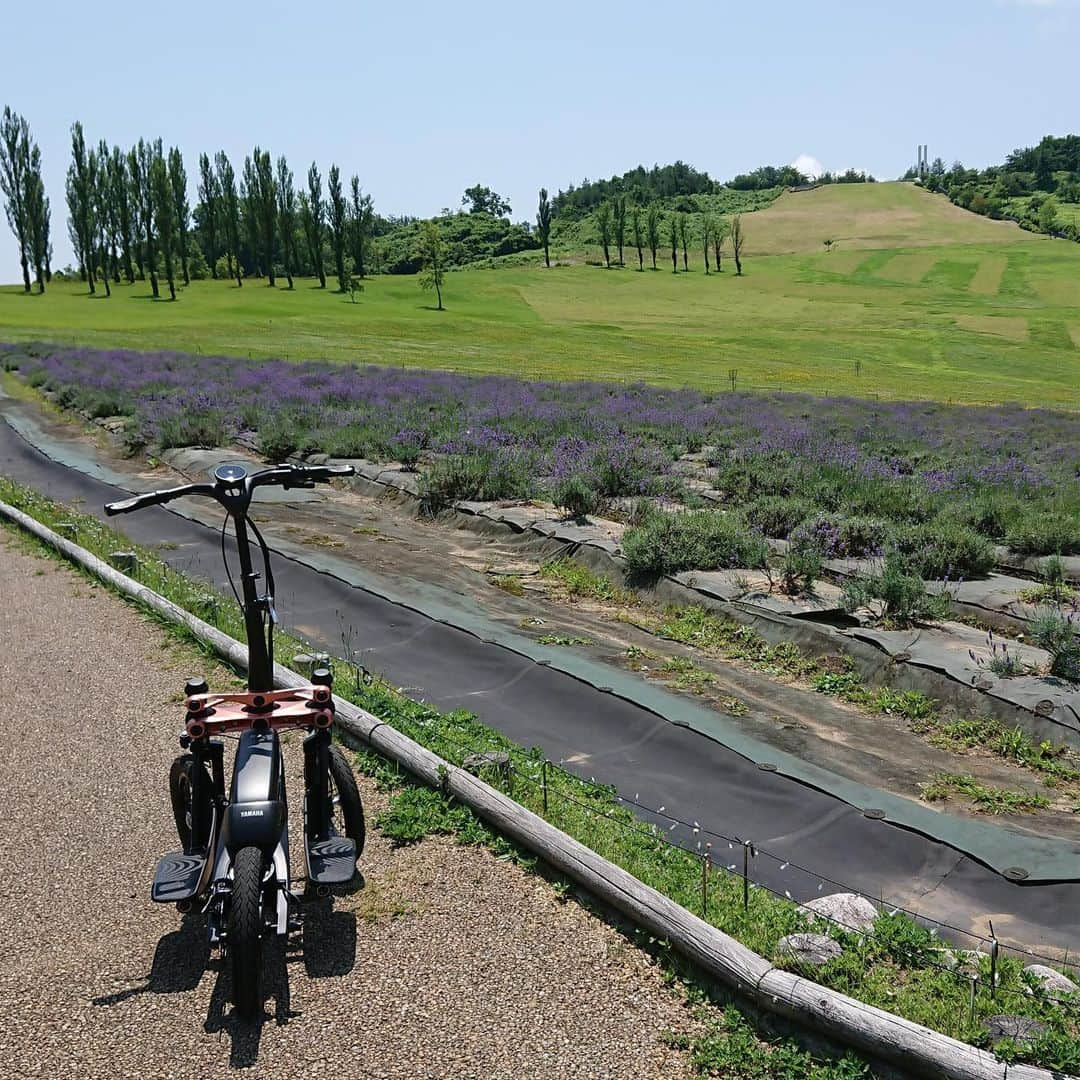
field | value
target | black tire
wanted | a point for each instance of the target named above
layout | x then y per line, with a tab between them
348	810
245	932
180	790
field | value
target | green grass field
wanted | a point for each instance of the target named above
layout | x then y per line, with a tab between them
919	300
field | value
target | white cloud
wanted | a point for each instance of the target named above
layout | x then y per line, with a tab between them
808	166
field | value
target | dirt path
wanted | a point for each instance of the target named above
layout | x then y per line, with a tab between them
447	963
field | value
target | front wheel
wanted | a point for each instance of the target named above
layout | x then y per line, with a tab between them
245	931
347	811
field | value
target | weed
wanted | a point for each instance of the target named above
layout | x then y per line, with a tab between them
993	800
563	639
509	583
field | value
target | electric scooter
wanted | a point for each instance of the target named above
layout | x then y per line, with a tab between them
234	862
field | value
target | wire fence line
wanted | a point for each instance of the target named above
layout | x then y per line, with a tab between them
703	844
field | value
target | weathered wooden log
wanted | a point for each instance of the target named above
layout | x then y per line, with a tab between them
915	1049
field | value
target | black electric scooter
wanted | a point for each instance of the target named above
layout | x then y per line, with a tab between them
235	857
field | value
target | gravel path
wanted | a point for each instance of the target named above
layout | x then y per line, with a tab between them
448	963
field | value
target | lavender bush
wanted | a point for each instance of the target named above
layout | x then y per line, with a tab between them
1003	471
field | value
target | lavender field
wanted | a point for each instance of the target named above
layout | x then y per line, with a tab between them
853	474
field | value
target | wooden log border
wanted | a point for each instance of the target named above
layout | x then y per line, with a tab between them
915	1049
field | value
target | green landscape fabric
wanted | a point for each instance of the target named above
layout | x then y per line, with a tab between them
1044	858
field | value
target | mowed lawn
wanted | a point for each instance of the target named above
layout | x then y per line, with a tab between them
952	308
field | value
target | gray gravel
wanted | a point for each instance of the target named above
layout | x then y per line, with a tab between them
448	963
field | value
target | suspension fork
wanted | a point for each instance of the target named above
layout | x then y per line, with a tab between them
205	751
317	808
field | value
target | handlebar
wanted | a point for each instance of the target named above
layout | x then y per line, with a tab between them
234	486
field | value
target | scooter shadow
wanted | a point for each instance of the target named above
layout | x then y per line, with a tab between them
179	963
328	948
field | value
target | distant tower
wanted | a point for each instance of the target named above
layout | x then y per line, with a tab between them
922	168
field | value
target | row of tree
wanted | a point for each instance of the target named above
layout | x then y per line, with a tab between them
620	221
26	205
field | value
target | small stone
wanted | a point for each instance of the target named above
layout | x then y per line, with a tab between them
1049	980
1021	1029
849	910
809	949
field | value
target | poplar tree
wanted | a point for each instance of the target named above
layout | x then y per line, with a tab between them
618	213
101	210
80	198
36	205
181	206
684	238
140	165
230	214
603	225
314	222
164	210
286	208
363	211
120	193
209	196
738	239
339	222
249	201
706	236
14	163
135	199
720	234
673	236
543	224
652	230
636	233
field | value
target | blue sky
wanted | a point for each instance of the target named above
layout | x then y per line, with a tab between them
423	99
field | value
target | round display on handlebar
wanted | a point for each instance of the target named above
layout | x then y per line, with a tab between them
230	473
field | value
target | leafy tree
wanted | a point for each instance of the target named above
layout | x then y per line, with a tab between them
737	241
313	217
937	167
14	164
164	209
230	214
181	207
673	236
80	198
652	230
707	226
266	208
432	252
639	185
36	205
286	207
1044	175
1047	218
209	194
101	212
338	221
122	211
618	213
603	225
543	224
638	236
251	216
482	200
684	239
362	216
140	162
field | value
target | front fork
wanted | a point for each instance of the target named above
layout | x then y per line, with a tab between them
318	811
205	752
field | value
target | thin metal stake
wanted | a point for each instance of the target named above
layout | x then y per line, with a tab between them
974	991
704	885
543	784
993	961
747	851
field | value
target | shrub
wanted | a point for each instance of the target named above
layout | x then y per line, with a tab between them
206	428
473	476
776	515
696	540
990	513
576	496
278	439
945	549
1050	533
800	568
900	594
1055	632
837	536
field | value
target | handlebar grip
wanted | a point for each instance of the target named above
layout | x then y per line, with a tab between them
152	498
125	506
